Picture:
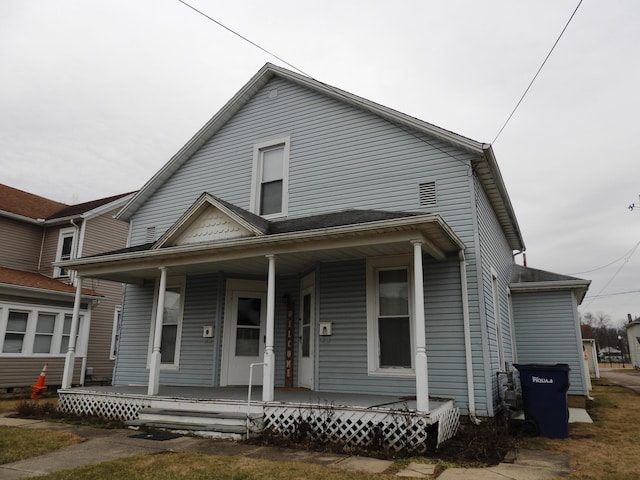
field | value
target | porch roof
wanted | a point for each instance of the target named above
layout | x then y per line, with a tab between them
298	243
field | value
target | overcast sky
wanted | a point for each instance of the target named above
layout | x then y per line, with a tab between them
95	96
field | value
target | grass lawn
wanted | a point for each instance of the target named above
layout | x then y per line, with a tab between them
20	443
610	447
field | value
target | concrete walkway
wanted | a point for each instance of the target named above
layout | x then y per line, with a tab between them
630	380
103	445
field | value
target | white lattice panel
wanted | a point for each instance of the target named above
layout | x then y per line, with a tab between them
114	407
390	430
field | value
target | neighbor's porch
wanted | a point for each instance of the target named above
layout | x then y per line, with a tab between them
338	417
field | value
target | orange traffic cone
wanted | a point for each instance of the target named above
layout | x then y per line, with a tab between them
38	388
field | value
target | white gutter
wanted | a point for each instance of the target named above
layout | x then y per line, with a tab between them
467	339
402	224
47	292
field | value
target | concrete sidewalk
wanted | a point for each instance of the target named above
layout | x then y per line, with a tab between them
103	445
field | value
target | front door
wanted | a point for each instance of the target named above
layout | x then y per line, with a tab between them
306	337
244	332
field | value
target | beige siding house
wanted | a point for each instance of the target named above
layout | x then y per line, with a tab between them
36	298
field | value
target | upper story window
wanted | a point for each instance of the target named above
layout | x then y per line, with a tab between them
270	182
66	244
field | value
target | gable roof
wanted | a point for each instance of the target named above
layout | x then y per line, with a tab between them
27	206
486	165
81	208
532	279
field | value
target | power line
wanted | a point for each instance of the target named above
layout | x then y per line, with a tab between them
330	87
630	252
537	73
614	276
243	38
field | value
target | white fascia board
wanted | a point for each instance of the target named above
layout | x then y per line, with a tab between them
267	241
96	212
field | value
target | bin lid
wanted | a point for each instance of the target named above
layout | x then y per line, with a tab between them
542	366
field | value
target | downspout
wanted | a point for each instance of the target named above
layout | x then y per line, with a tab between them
467	339
44	234
76	244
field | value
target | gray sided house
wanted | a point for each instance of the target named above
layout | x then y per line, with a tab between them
342	248
37	299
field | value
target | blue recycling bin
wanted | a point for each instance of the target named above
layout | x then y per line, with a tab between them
545	398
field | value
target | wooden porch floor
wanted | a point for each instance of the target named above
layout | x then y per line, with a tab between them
238	394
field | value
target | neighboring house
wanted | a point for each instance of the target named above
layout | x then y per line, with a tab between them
37	299
633	340
351	249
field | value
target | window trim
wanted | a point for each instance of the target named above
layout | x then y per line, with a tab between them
34	312
497	319
62	234
373	346
115	331
172	282
256	175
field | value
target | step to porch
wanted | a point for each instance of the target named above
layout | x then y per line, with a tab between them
209	424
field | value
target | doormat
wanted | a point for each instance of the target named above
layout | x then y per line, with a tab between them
157	436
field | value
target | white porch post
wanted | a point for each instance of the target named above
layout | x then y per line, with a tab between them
70	359
422	380
154	367
269	355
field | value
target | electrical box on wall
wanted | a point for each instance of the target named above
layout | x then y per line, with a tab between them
207	331
325	329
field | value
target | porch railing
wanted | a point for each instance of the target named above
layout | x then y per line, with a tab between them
248	419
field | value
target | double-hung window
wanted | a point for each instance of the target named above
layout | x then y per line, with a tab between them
38	331
171	324
269	193
389	312
66	243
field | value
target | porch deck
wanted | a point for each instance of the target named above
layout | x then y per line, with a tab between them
346	417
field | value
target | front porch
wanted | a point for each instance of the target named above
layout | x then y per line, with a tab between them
343	418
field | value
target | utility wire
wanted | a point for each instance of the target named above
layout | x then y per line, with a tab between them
243	38
608	264
627	258
537	73
333	89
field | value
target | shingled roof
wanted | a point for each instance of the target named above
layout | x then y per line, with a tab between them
25	204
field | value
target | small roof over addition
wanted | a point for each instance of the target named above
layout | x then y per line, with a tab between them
532	279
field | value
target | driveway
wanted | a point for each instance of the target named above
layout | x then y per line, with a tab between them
629	379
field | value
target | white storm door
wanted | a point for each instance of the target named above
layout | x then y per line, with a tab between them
306	334
244	338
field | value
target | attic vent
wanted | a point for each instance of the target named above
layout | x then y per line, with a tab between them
151	235
427	193
273	93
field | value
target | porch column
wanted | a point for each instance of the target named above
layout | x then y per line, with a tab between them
269	355
70	359
154	367
422	381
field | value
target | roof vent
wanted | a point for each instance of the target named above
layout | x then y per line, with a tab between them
151	235
427	193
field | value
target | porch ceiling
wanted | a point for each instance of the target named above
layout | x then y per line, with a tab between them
295	252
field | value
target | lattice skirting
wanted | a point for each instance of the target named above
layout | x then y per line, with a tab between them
391	430
109	405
